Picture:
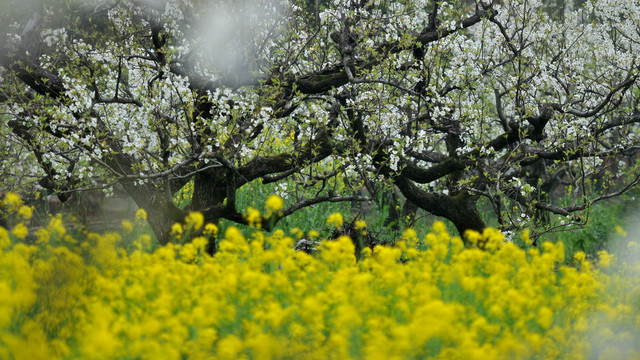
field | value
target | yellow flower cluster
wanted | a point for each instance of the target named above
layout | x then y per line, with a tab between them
13	206
336	220
258	298
12	203
274	203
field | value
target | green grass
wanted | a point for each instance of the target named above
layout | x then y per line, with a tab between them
603	218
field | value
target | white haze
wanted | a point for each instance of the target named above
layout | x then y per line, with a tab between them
626	339
230	35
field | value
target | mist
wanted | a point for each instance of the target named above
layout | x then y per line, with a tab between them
621	338
230	35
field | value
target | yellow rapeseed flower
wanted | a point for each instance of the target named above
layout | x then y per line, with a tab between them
439	227
234	241
605	259
473	236
43	236
200	242
253	217
56	226
20	231
25	212
141	215
143	242
127	226
336	220
12	201
409	234
545	317
229	347
297	232
5	240
493	237
274	203
360	224
177	230
210	229
195	220
265	299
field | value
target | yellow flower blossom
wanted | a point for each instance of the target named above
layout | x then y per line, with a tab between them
335	220
545	317
200	242
177	230
127	226
473	236
274	203
210	229
5	240
141	215
409	234
604	259
25	212
56	225
439	227
143	242
230	348
12	202
234	241
42	236
253	217
360	224
194	220
259	297
20	231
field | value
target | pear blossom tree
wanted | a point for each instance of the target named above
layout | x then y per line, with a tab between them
453	102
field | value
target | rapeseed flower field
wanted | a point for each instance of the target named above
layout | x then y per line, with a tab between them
90	297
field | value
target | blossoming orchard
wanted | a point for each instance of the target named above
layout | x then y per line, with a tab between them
254	137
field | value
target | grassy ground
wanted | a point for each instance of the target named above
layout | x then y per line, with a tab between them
607	222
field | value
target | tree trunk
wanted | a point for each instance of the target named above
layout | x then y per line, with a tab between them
210	189
460	209
161	213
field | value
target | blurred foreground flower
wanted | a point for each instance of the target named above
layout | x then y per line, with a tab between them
194	220
25	212
12	202
336	220
425	297
141	215
211	229
274	203
253	217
